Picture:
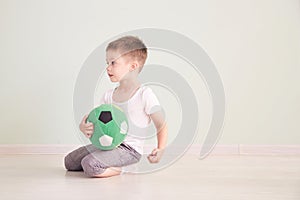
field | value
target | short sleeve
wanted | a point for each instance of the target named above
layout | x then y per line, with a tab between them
105	97
151	102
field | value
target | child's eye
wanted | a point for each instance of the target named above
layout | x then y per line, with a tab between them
113	62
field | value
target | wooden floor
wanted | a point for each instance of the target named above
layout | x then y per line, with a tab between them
216	177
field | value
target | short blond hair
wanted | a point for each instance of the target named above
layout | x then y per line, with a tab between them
130	46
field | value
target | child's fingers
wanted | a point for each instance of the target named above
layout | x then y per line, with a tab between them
152	159
149	158
84	118
154	152
90	130
88	135
155	159
155	156
89	125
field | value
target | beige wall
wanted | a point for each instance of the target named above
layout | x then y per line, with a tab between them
255	45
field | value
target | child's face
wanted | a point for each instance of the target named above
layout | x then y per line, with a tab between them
118	65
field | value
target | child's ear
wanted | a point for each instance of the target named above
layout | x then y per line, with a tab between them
134	66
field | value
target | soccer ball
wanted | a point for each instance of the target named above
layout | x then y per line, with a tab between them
110	126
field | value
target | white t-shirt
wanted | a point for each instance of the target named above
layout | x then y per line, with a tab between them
137	109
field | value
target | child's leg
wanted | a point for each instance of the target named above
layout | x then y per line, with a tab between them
108	163
73	159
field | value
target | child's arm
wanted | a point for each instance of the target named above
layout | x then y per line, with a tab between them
162	134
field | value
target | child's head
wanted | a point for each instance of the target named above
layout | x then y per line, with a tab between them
131	47
126	54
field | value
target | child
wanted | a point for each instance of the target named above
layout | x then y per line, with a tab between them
125	59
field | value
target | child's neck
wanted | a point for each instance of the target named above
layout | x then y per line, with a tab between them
129	84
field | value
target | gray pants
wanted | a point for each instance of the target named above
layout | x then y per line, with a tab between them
94	161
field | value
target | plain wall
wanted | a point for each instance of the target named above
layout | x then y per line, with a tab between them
254	44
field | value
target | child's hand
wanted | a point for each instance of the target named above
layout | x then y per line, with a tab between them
86	128
155	155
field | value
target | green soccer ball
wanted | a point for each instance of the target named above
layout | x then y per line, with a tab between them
110	126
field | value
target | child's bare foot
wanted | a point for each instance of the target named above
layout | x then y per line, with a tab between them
112	171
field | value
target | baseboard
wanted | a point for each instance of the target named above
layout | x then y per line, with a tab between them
269	149
236	149
36	148
217	150
243	149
